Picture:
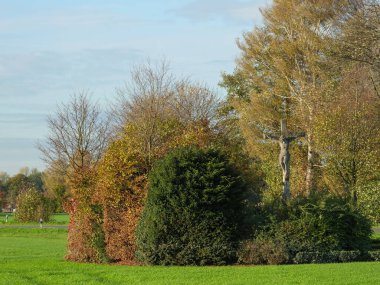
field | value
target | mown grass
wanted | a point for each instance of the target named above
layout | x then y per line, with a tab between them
56	219
35	256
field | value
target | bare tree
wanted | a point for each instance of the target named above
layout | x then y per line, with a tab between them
155	93
194	102
157	104
146	94
78	134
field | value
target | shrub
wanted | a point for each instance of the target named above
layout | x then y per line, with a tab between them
325	225
193	211
374	255
121	193
262	251
327	256
85	236
316	257
349	255
310	231
31	205
85	233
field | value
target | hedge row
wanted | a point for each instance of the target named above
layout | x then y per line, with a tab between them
336	256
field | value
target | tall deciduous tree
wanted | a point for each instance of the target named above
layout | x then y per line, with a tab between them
121	190
56	186
78	135
360	39
349	137
156	112
156	106
285	66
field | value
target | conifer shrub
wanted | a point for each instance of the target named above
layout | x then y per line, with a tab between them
194	210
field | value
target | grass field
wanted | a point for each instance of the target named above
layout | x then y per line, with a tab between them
56	219
35	256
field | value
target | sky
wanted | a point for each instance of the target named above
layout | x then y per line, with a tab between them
53	49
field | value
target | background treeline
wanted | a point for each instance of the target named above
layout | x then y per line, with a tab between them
285	169
33	193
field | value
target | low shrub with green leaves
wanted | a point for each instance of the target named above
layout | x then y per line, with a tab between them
317	226
374	255
194	210
327	256
31	205
263	250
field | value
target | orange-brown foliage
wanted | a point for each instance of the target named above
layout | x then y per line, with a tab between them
121	192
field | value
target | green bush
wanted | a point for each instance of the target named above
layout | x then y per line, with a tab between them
327	256
316	257
31	205
194	210
262	250
374	255
349	255
324	225
317	225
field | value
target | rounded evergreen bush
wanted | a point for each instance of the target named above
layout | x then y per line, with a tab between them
194	210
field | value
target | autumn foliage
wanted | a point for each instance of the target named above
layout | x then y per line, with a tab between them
301	117
31	206
121	194
85	234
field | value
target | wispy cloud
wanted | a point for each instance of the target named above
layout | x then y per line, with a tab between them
223	10
18	152
37	73
50	49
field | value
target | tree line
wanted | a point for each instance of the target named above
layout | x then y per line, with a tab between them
298	135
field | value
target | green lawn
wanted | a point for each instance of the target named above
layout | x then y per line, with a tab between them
35	256
56	219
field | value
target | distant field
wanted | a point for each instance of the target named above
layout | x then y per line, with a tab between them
35	256
56	219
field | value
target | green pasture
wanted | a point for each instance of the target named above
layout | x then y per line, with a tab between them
36	256
56	219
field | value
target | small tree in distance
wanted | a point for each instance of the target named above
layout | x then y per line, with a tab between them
31	206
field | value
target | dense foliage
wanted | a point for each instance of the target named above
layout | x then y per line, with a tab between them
121	194
193	213
287	167
323	225
32	206
85	232
368	200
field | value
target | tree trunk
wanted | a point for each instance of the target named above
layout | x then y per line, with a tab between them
310	165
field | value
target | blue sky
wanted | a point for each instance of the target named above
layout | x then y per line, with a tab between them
51	49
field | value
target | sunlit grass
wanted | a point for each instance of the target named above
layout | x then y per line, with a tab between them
36	256
56	219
